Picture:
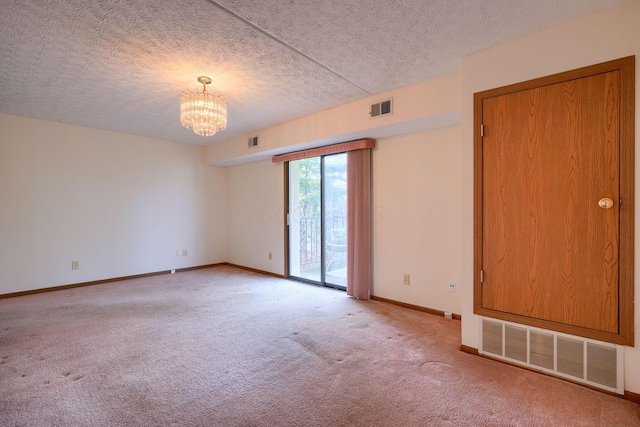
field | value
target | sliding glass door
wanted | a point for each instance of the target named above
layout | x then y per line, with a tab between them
334	210
318	220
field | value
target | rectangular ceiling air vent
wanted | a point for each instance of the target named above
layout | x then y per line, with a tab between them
252	142
381	108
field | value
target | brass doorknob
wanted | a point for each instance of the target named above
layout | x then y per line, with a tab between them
605	203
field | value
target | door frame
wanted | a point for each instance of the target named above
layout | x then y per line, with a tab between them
626	67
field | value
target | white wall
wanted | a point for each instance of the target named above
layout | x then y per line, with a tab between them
426	105
428	236
120	204
416	226
255	216
609	35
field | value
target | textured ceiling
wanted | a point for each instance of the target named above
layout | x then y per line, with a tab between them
120	65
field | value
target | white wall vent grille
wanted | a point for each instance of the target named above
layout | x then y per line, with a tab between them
381	108
252	142
583	360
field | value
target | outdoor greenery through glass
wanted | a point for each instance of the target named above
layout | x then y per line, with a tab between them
306	179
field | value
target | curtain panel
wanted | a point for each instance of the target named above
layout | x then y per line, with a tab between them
359	223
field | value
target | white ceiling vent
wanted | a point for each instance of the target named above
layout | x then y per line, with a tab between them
252	142
381	108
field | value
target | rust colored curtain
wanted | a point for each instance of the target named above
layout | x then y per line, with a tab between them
359	223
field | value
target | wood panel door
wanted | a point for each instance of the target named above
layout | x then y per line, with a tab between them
554	163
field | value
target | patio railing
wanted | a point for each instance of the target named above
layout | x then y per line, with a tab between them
311	240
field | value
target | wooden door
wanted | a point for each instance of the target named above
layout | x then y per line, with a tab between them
550	204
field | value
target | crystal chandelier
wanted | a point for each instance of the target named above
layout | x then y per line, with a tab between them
205	113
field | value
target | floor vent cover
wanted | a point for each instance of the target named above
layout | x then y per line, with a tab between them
591	362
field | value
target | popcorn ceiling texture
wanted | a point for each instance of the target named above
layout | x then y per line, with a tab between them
121	65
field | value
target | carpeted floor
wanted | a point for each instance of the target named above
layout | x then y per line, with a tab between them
226	347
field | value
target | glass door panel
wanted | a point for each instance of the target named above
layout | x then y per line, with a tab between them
318	220
305	231
334	208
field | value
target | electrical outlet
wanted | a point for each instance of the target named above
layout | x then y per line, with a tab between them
184	252
407	279
75	265
178	253
452	286
270	256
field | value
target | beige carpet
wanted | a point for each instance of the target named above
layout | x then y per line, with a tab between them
225	347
